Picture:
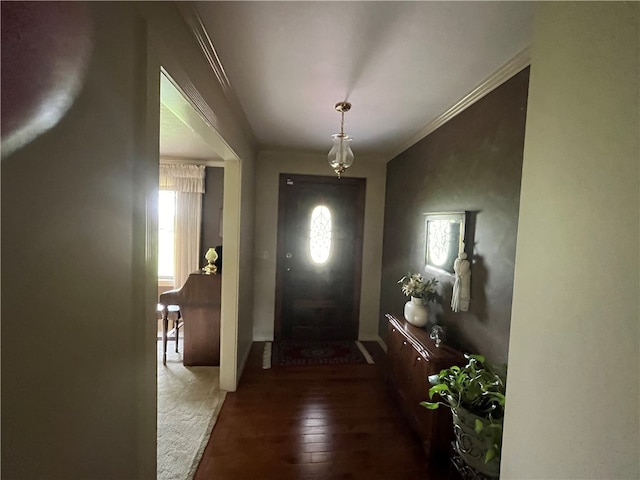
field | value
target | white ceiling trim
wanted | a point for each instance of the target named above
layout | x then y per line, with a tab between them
186	99
181	104
191	161
200	33
518	63
193	20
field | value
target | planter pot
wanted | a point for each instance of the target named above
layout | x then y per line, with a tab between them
415	312
473	446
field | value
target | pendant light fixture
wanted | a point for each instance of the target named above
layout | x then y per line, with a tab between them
340	156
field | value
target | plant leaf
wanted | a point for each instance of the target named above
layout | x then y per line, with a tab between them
501	398
430	405
479	358
478	426
438	388
491	453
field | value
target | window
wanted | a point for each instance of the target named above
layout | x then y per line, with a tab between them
320	234
166	234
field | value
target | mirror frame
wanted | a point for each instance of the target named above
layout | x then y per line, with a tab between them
457	243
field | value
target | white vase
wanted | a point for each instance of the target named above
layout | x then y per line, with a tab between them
415	312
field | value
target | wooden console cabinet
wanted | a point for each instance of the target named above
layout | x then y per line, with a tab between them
412	356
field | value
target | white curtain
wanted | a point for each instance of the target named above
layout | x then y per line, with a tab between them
188	221
182	178
188	183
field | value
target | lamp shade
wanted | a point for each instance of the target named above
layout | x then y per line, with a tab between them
211	255
341	156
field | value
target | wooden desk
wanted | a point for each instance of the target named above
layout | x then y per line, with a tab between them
199	301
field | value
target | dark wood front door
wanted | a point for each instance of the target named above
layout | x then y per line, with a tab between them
319	257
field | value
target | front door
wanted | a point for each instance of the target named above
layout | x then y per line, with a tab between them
319	257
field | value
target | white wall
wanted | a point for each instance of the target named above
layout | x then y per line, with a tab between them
79	278
78	349
269	167
572	393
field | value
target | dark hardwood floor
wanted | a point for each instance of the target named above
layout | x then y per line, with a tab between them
317	422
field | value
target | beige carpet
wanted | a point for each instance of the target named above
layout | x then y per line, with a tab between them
189	401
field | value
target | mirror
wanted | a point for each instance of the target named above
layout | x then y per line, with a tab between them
444	240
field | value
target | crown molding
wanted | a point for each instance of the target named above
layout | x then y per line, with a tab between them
196	25
515	65
199	31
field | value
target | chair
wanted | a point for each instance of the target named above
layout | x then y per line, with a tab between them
165	310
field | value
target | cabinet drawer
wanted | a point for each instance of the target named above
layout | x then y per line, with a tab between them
412	356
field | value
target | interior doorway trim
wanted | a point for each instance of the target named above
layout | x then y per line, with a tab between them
231	163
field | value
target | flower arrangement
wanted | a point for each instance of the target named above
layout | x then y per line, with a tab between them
414	285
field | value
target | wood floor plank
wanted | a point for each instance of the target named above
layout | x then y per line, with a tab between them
314	423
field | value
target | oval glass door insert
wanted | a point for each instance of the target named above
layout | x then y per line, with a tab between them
320	235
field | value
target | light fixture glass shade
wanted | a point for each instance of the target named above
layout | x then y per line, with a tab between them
341	156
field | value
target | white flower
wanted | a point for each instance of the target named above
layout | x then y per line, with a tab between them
414	285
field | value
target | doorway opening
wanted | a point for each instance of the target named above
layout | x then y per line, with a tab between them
185	101
188	139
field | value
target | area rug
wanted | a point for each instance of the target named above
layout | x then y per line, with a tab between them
189	401
318	353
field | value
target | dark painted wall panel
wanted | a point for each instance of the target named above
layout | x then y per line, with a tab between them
211	208
472	163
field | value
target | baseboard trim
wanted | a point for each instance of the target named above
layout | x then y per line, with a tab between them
266	355
365	352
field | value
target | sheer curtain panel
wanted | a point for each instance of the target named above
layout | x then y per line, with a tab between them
188	183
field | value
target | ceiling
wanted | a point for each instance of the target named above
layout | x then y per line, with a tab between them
179	140
402	65
184	136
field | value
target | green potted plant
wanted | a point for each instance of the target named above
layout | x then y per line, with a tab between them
475	393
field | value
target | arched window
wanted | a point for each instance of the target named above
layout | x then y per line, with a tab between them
320	235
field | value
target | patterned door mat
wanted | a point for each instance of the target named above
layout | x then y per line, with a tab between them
318	353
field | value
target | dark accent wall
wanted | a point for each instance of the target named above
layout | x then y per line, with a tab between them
211	208
471	163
